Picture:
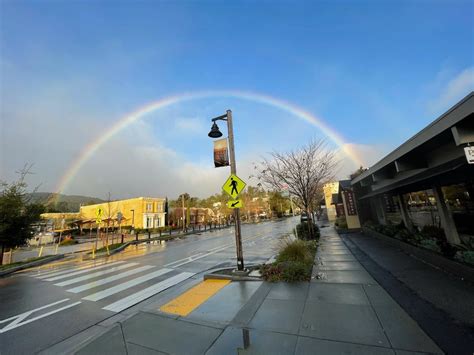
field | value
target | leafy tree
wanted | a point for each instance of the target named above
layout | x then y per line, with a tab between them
278	203
17	213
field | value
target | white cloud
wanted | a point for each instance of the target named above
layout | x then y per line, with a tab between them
367	154
190	125
452	91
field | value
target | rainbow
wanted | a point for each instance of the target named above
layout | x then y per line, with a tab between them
134	116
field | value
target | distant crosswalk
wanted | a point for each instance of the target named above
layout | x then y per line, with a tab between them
117	285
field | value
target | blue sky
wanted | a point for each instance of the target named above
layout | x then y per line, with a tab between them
375	71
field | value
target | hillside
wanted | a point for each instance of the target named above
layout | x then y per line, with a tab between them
65	203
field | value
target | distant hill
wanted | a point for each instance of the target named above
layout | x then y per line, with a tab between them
65	203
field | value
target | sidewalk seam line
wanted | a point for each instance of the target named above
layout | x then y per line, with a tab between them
365	293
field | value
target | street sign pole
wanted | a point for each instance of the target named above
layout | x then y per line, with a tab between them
233	170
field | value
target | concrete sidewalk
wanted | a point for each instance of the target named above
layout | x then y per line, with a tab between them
441	303
343	310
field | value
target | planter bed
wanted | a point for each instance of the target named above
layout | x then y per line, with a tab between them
451	266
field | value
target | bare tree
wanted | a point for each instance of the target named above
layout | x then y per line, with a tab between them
304	171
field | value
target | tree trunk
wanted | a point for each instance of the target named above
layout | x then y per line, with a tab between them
1	255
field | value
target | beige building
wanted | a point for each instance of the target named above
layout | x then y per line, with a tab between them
341	203
331	189
139	212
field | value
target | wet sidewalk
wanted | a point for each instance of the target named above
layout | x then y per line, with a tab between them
343	310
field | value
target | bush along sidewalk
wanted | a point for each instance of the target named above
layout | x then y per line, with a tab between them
295	259
429	237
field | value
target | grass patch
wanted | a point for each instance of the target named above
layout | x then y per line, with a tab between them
111	247
19	263
293	263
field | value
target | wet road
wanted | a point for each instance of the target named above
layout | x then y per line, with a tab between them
44	306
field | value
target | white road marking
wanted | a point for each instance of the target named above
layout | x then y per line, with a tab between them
123	286
109	279
180	260
69	274
17	321
200	257
147	292
64	270
95	274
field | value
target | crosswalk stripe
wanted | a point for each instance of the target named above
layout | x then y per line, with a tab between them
123	286
95	274
66	270
109	279
83	271
147	292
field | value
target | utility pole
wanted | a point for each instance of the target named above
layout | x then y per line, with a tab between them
182	208
215	133
233	170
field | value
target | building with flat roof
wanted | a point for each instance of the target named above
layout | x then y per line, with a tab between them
138	212
435	165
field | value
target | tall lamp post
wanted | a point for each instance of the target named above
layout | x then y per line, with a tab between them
215	133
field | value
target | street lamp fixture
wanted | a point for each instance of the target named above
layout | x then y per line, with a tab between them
216	133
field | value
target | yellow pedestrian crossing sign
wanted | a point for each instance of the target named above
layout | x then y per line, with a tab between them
234	186
235	204
98	214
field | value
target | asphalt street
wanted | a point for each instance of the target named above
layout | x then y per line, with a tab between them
44	306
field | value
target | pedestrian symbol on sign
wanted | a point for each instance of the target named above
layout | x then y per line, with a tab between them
234	186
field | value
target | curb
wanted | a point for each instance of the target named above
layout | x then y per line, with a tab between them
216	276
31	264
230	277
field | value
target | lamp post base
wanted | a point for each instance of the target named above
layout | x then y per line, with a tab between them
244	272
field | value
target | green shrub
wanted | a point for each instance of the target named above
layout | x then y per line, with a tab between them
465	256
296	271
430	244
432	232
272	272
297	251
404	234
303	233
294	262
369	224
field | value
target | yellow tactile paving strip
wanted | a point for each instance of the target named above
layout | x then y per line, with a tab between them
194	297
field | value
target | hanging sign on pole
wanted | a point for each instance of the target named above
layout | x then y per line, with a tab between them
221	153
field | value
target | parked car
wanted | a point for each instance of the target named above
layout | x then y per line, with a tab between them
303	217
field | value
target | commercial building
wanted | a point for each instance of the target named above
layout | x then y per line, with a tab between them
139	212
341	204
433	165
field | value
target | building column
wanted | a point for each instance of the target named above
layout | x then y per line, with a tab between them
379	209
404	212
445	216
